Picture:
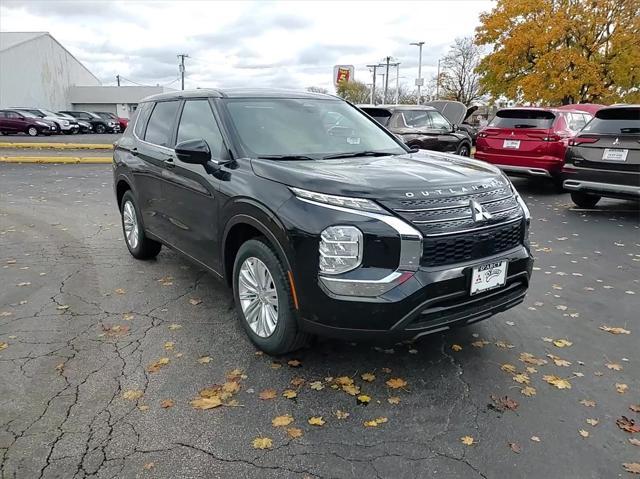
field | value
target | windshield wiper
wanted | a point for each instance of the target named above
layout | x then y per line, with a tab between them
286	157
356	154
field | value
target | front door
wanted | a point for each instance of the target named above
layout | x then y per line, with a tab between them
190	193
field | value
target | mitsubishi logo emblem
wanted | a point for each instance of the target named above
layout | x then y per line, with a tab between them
616	141
478	213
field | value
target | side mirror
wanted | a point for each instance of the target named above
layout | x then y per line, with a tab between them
455	127
195	152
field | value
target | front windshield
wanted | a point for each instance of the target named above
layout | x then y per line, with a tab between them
306	127
28	114
49	113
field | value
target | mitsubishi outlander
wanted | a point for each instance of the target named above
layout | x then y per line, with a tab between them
319	219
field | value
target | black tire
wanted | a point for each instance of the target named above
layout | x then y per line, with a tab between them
68	132
144	248
32	131
286	336
584	200
100	128
464	150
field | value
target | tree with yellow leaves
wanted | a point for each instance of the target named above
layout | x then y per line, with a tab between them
562	51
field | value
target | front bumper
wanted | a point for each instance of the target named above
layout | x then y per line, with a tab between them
433	300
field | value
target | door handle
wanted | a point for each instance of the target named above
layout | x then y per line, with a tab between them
169	163
134	151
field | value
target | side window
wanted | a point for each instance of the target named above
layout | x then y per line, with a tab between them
160	123
142	114
197	121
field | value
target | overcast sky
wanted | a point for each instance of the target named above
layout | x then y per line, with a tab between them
286	44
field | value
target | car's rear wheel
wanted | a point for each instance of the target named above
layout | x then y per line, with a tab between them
101	129
584	200
464	150
32	131
264	300
138	244
68	132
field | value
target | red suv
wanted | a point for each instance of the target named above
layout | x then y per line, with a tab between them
530	141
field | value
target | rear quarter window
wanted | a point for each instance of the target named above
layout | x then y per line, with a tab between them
160	125
523	119
142	115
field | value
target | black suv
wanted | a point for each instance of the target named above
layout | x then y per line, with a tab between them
423	127
604	158
99	125
319	219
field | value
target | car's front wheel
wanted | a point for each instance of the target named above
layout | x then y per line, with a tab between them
464	150
100	129
32	131
584	200
138	244
264	300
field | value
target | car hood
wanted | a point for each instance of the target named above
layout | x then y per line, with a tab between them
388	177
454	111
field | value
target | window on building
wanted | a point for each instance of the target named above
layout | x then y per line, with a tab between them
197	121
160	123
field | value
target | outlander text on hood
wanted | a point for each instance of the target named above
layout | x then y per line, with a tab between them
320	219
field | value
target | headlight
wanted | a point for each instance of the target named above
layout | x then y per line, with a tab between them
340	249
42	123
112	123
352	203
65	123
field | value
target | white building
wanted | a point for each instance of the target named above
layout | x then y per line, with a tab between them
37	71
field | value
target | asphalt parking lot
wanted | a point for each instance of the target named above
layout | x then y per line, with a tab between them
101	356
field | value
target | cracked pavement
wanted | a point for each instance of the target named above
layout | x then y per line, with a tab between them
67	279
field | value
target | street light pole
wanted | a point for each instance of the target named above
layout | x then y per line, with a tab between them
419	81
373	85
386	79
182	56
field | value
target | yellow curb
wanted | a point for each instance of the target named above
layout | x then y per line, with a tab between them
59	146
57	159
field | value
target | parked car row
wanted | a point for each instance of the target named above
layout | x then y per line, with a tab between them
39	121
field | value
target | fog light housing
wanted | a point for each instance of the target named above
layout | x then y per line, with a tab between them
340	249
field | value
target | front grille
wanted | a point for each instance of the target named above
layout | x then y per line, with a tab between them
440	251
451	235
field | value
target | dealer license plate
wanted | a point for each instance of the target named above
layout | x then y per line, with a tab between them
513	144
615	154
488	276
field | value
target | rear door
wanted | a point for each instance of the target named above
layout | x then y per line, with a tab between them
15	121
611	141
519	132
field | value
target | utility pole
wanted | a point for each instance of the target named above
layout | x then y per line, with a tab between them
397	83
118	79
438	82
182	56
373	85
419	80
386	79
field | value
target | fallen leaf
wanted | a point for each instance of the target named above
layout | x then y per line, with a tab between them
515	447
167	403
481	343
205	360
634	441
231	387
341	414
396	383
157	365
268	394
521	378
128	317
528	391
531	359
344	381
3	345
262	443
132	394
195	301
614	366
587	402
206	402
635	407
628	425
316	421
393	400
583	433
148	466
614	330
592	422
276	365
235	375
168	345
508	368
294	363
375	422
503	345
294	432
557	382
363	399
535	438
316	385
63	307
621	388
174	326
143	407
456	347
467	440
297	382
632	467
120	291
369	377
501	404
289	394
562	343
280	421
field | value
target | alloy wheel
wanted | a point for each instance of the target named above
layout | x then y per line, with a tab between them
32	131
130	221
258	297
